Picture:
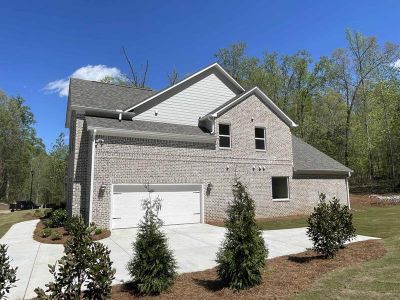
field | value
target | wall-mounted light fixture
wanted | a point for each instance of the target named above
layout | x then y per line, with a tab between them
254	167
100	141
208	189
252	119
227	167
102	190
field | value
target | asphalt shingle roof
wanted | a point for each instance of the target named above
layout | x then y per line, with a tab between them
306	158
104	95
146	126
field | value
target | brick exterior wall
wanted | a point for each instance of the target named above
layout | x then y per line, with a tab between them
122	160
78	166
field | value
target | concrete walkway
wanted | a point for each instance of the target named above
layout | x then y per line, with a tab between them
194	247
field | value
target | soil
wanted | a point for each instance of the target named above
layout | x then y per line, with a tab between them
283	276
64	235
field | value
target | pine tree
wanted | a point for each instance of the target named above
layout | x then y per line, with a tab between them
241	258
153	266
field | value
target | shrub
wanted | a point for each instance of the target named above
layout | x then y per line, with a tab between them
84	271
242	256
153	266
46	232
98	231
58	218
7	273
347	230
55	235
330	226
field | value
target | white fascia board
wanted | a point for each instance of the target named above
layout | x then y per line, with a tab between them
214	65
260	93
153	135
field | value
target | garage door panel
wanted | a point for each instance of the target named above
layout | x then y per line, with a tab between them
177	207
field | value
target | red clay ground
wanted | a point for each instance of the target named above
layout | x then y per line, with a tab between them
64	235
283	276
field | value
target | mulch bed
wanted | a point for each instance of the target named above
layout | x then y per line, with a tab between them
64	235
283	277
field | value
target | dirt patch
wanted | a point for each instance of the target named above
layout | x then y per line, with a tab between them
37	235
4	206
380	200
284	276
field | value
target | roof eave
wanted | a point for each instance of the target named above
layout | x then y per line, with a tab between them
214	65
321	172
152	134
260	93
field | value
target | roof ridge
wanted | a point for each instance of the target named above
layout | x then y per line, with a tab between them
115	84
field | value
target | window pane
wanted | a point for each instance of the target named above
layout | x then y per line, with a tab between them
224	129
280	188
225	141
259	132
260	144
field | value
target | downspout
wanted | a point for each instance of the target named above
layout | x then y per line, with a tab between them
348	192
92	174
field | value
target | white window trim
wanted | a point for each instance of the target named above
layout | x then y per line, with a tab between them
288	190
224	135
261	139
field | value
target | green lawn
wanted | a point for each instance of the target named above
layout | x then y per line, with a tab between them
7	220
378	279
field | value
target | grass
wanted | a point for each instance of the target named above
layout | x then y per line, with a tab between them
9	219
378	279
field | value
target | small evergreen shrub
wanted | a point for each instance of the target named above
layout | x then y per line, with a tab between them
58	218
153	266
8	275
241	258
98	231
55	235
85	271
46	232
330	226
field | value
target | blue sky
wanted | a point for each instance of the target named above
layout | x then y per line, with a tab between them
46	41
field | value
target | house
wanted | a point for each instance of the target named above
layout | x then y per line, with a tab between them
188	142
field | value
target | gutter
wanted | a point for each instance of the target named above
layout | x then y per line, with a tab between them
92	174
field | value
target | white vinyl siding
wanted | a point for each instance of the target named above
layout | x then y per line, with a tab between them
187	106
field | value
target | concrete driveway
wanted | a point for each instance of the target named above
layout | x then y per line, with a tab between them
194	247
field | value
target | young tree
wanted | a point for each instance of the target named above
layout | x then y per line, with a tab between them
241	258
85	264
153	266
7	273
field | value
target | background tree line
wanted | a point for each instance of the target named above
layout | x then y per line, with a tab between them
24	161
347	104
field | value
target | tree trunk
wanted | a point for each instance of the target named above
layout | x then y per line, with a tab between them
347	135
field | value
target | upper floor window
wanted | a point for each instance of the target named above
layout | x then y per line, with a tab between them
224	136
259	133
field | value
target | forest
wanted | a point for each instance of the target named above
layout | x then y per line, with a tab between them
27	171
346	104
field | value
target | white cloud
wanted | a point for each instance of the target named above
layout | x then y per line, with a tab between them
95	73
396	64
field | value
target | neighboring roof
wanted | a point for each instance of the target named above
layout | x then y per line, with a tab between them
214	66
239	98
93	94
309	160
155	129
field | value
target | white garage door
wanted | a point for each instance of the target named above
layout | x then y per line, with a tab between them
180	204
